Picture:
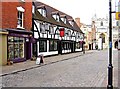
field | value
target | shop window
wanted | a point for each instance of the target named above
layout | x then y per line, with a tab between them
66	46
15	47
77	45
42	46
53	45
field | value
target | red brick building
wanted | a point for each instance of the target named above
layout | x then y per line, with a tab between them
10	14
17	21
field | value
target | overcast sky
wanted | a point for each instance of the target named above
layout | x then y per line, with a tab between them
84	9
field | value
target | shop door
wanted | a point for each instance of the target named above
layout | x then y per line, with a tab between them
28	50
35	49
59	47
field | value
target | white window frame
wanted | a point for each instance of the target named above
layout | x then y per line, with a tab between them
51	29
64	19
20	11
42	28
43	12
56	17
71	22
22	0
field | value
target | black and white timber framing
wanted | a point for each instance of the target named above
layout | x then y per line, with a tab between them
47	23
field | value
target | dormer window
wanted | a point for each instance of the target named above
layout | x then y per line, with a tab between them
43	12
56	17
63	19
71	22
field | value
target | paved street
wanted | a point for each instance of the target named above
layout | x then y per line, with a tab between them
89	70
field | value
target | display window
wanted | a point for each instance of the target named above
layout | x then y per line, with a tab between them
77	45
53	45
43	46
15	47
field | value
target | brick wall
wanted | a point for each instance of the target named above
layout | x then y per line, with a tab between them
9	14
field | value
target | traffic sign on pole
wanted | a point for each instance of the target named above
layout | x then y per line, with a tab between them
117	15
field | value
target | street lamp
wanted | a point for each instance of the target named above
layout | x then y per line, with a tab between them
110	67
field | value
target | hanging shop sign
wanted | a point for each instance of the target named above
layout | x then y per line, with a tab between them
61	32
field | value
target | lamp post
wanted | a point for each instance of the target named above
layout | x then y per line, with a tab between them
110	67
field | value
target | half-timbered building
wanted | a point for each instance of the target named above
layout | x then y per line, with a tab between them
54	31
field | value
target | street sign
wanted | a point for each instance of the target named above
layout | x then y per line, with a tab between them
117	15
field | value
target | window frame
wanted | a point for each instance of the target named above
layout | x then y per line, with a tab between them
20	19
53	48
43	12
44	46
56	17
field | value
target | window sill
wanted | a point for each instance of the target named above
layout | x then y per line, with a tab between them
20	27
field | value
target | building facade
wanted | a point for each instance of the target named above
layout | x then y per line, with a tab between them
89	34
17	22
102	28
54	31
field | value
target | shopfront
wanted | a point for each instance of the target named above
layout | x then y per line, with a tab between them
19	45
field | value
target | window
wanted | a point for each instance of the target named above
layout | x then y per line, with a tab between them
77	45
53	45
42	46
64	20
20	20
71	22
22	0
15	47
42	28
117	23
101	23
77	35
20	16
51	30
43	12
56	17
66	46
69	33
66	32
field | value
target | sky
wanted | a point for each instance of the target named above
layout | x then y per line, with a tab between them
84	9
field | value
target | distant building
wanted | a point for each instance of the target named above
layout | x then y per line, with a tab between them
102	32
89	34
101	25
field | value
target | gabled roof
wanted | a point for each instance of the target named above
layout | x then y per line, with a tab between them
50	10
